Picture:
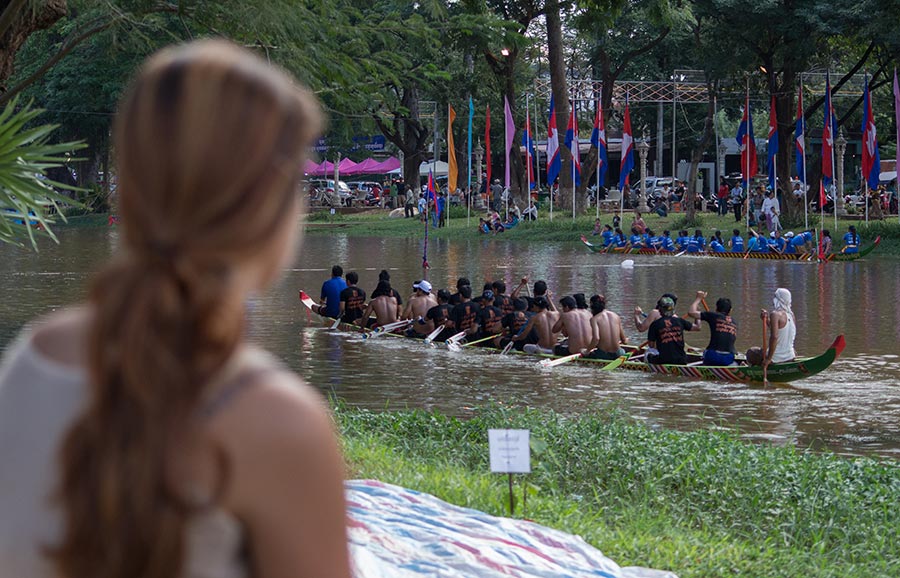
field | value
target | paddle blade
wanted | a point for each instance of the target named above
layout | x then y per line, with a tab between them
433	334
615	362
336	323
548	363
508	347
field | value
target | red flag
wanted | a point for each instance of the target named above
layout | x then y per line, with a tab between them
822	198
487	147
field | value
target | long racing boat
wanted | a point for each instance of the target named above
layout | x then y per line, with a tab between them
809	257
800	368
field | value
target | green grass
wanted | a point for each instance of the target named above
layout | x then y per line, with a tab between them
564	229
700	504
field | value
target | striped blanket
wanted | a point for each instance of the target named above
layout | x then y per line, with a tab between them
397	533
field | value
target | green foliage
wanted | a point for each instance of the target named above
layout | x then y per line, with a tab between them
25	156
700	504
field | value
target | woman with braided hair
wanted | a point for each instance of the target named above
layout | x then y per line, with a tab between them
140	435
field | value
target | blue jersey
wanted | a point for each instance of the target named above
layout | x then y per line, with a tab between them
758	245
737	244
682	242
331	293
851	243
695	244
779	243
621	241
802	239
716	246
637	241
653	242
667	244
608	237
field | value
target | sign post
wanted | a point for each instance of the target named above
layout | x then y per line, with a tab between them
510	454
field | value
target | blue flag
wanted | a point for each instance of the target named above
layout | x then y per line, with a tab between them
800	141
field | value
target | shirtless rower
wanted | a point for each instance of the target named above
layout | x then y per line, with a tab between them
643	324
540	290
575	324
607	333
542	323
421	301
384	306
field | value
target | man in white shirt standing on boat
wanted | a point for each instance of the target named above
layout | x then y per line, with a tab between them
782	329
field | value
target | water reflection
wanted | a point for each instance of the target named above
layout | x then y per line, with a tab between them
852	408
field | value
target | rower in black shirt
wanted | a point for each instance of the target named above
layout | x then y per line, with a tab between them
501	299
514	322
464	316
460	283
666	336
353	299
440	314
723	331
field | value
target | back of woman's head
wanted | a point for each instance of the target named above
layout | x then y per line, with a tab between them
209	143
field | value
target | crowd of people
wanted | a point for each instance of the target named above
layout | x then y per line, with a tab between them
787	243
536	323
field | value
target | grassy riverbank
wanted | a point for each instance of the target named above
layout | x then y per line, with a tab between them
563	229
701	504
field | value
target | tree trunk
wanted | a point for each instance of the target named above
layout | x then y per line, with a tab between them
408	133
560	96
698	150
21	26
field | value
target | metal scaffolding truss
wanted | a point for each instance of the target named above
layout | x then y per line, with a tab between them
685	88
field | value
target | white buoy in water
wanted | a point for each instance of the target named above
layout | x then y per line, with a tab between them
628	264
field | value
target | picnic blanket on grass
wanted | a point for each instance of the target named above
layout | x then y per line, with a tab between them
396	532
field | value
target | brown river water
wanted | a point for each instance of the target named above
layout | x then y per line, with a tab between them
852	408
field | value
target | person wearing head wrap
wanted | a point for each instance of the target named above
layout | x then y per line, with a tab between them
782	329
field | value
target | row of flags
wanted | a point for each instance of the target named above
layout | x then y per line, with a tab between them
871	163
749	164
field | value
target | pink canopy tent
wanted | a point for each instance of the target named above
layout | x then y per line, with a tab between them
349	168
310	167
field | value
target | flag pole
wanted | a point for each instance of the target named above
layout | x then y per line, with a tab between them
528	150
597	190
748	136
469	165
803	155
865	177
537	153
576	151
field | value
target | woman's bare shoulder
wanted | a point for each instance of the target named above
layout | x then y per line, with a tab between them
62	336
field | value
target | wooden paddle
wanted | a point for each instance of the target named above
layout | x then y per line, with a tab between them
387	328
433	334
508	348
548	363
482	340
336	323
616	362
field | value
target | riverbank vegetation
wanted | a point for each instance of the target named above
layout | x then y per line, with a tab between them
699	504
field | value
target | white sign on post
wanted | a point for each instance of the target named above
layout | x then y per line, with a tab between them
510	451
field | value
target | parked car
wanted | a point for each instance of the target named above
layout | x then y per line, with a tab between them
323	190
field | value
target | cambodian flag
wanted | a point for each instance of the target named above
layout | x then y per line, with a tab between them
553	163
572	144
627	164
772	145
800	141
871	160
828	130
748	145
528	143
598	139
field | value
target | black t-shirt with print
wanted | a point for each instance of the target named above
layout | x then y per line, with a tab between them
668	334
723	331
354	300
